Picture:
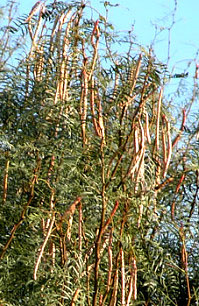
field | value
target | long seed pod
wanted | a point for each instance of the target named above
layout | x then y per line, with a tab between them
123	281
47	223
133	166
167	181
133	282
135	76
69	228
96	34
98	125
43	247
173	205
75	297
115	289
184	259
147	133
133	80
80	230
134	274
5	181
100	119
158	119
84	95
169	147
39	23
92	104
111	216
140	168
52	251
164	150
71	209
34	10
110	259
64	74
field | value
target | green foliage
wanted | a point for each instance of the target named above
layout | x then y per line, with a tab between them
98	203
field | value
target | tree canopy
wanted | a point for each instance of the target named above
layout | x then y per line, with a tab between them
99	178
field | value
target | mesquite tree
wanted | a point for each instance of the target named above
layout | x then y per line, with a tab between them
99	188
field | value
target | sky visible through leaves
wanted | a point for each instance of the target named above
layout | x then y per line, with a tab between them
149	17
151	21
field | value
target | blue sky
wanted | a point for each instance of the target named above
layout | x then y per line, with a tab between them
144	15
